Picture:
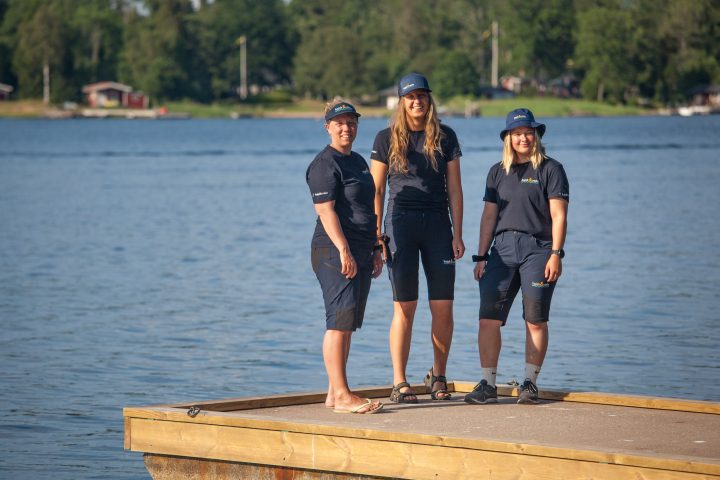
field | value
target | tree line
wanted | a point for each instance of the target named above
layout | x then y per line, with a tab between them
620	51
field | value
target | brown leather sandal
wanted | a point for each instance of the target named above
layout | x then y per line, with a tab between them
430	380
399	397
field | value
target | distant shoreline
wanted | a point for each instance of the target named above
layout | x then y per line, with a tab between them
311	109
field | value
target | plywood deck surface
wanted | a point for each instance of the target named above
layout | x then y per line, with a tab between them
568	435
579	426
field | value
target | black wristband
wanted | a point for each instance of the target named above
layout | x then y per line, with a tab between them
377	248
480	258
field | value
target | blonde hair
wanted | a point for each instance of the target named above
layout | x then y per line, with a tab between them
400	137
537	154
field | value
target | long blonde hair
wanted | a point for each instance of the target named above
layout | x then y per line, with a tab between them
400	137
537	154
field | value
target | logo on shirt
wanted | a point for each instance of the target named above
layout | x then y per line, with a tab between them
319	193
365	172
530	180
540	284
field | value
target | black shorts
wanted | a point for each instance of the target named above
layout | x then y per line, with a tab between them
416	235
345	298
517	260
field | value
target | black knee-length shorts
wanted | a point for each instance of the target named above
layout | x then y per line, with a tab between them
416	235
345	298
517	261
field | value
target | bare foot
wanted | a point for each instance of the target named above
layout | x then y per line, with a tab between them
353	402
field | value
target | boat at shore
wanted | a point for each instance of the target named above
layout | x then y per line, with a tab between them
568	435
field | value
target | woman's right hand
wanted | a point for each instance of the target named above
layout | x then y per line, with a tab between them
348	265
479	270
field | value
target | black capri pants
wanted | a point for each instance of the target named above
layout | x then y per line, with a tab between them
416	235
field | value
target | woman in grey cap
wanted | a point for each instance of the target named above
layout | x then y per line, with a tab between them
419	160
522	233
343	252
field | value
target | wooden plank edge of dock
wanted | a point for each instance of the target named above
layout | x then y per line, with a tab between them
219	415
304	398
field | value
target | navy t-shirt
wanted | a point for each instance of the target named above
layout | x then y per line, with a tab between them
422	188
522	196
347	180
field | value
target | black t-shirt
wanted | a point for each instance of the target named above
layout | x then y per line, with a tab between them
347	180
523	196
422	188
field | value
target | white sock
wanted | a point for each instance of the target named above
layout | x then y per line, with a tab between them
489	375
532	372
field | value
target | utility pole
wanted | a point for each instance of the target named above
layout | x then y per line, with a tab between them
242	42
494	67
46	83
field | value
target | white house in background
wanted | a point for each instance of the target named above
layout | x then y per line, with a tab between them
5	91
389	97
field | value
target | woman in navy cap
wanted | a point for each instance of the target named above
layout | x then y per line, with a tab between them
419	159
343	253
522	232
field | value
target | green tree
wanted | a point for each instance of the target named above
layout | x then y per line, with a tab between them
321	73
159	54
6	75
454	75
270	42
602	53
538	35
330	57
41	45
96	39
77	39
690	35
380	41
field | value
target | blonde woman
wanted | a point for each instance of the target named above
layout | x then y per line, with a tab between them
524	221
343	252
418	159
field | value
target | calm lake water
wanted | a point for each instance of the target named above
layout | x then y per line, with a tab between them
162	261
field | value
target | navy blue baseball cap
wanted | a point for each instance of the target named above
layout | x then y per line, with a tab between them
412	82
521	117
340	109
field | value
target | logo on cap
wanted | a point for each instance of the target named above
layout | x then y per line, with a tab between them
519	116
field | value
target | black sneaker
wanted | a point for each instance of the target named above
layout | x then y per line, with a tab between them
482	394
528	393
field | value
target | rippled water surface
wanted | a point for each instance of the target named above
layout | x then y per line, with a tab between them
158	261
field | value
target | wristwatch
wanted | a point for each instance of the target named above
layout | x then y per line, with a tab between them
560	252
480	258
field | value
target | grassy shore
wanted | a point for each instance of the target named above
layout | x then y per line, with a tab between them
542	107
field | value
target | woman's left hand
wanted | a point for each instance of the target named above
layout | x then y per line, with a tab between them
553	268
458	248
377	264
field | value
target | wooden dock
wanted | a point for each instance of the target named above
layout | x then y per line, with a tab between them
568	435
